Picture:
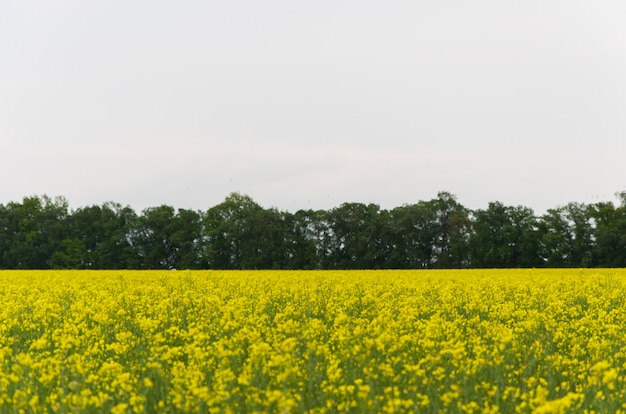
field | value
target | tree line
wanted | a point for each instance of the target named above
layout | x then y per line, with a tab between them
43	233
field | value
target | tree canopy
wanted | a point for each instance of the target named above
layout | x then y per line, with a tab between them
41	232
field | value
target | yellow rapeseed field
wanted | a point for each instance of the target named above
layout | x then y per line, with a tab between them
467	341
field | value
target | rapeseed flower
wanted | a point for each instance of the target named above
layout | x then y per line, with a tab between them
546	341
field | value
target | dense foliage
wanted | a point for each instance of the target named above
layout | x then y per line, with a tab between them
388	341
238	233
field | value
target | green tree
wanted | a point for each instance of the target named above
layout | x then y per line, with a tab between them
153	238
240	234
567	236
225	226
267	245
413	234
99	237
187	239
303	240
357	241
71	255
452	230
33	231
430	234
610	233
505	237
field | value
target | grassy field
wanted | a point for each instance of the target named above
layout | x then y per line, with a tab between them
471	341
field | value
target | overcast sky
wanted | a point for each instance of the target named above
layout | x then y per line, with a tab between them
309	104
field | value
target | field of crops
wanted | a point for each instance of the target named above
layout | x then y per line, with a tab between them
540	341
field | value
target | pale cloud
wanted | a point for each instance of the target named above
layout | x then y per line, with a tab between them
311	105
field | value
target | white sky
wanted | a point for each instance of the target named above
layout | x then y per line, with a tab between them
309	104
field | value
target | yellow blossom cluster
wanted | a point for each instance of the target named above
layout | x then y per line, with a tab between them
453	341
